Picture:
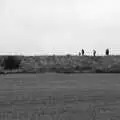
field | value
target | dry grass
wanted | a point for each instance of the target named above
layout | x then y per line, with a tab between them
60	97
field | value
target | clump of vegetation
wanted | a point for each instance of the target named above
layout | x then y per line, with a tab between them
29	66
60	64
11	62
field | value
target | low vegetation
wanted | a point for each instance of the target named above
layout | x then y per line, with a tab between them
60	64
60	97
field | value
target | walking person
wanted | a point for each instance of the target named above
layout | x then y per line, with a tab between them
82	52
79	54
94	52
107	52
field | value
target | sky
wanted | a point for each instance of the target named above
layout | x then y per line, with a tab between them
41	27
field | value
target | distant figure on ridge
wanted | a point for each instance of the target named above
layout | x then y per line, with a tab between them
94	52
79	54
107	52
83	52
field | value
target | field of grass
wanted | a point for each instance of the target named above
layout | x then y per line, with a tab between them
52	96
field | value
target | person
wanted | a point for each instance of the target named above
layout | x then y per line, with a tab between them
107	52
94	52
82	52
79	54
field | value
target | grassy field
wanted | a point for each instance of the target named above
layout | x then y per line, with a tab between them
52	96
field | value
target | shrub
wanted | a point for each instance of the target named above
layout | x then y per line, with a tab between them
115	68
11	62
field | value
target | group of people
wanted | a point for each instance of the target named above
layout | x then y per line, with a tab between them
94	52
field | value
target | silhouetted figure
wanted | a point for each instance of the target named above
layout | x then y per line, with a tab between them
83	52
79	54
94	52
107	52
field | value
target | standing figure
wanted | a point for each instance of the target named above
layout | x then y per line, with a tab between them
79	54
107	52
94	52
82	52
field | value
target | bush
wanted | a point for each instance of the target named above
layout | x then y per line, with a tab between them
11	62
115	68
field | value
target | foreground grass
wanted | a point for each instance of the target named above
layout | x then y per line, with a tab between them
59	97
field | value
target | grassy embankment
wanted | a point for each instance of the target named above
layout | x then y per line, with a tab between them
61	64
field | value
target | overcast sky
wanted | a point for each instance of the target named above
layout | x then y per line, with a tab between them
59	26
